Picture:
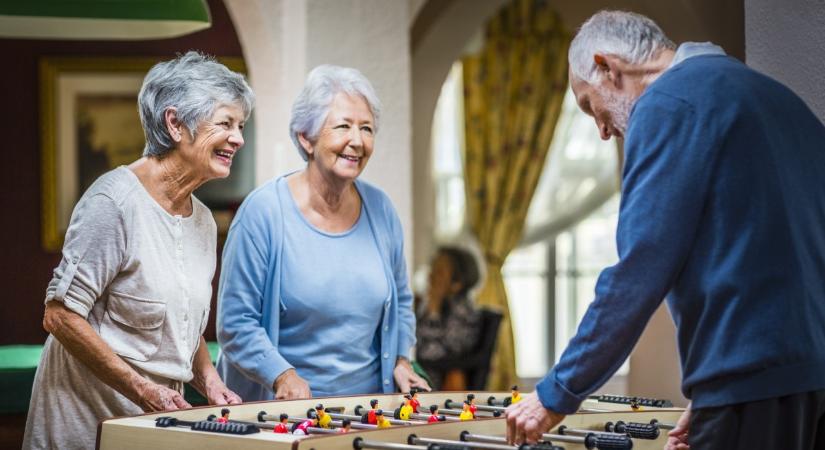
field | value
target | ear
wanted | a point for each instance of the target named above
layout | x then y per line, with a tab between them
611	67
173	124
305	144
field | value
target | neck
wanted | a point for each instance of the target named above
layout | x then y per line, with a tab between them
645	74
325	194
169	181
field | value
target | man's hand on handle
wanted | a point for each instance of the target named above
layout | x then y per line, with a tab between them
528	419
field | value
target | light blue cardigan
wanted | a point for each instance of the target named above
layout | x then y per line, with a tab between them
249	294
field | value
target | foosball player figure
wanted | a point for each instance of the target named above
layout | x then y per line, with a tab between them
380	420
433	414
634	404
406	409
515	396
471	399
371	415
414	400
466	414
302	428
323	418
224	418
346	426
283	426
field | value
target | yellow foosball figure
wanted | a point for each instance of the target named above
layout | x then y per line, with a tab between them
515	396
380	420
323	418
407	409
466	414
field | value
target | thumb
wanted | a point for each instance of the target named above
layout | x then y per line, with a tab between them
180	402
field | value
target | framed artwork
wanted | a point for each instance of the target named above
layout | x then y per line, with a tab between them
90	125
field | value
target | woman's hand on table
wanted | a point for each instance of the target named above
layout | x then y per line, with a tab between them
406	378
218	394
154	397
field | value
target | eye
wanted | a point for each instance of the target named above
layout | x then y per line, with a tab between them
366	128
343	126
224	124
241	126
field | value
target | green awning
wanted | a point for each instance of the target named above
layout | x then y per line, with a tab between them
102	19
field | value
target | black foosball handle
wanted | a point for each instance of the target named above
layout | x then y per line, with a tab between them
634	429
359	410
540	446
608	442
225	428
261	415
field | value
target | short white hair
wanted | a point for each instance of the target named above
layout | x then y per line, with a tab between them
196	85
630	36
312	105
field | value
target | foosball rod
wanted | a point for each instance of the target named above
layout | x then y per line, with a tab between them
359	443
263	417
590	441
208	426
482	445
457	405
493	402
662	425
356	420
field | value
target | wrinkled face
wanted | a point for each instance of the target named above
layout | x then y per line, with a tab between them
218	140
345	142
609	107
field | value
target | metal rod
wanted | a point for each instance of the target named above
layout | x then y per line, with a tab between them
454	404
360	443
478	445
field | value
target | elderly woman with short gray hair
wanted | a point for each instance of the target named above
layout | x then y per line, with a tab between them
314	299
129	301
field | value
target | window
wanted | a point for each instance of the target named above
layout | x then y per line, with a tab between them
570	231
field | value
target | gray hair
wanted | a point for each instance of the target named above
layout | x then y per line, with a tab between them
194	84
630	36
312	105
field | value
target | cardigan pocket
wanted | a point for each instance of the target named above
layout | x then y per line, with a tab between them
133	326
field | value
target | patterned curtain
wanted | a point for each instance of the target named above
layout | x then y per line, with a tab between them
513	91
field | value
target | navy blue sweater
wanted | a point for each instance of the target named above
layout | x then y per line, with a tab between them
723	212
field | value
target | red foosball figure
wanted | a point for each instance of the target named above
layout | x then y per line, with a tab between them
433	414
346	425
471	399
414	400
371	416
283	426
303	427
224	418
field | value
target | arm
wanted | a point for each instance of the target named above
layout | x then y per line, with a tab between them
207	381
81	341
244	316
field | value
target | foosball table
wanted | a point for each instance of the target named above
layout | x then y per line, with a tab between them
345	423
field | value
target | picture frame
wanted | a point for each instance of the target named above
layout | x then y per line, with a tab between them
89	125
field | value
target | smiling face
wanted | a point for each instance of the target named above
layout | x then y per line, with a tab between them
216	143
345	142
609	107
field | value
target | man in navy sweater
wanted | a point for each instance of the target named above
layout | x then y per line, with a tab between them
723	213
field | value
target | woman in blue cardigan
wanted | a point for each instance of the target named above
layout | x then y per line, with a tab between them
313	297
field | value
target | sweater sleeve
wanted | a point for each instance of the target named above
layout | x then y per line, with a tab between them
242	309
93	253
666	180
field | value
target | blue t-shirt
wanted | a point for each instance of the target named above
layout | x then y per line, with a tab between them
723	212
331	278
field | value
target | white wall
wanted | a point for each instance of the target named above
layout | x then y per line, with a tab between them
786	40
284	39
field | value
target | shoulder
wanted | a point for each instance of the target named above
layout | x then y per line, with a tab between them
202	214
378	202
118	185
261	203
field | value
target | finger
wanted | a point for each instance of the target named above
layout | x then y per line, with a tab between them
233	398
511	430
180	402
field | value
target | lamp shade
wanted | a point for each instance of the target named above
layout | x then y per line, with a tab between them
102	19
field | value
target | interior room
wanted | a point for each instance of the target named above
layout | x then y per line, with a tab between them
540	221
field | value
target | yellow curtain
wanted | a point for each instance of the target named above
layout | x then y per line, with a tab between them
513	91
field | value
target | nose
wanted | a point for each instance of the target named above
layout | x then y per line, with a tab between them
604	131
236	138
356	141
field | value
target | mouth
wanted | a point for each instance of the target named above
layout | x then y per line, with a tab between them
351	158
224	156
